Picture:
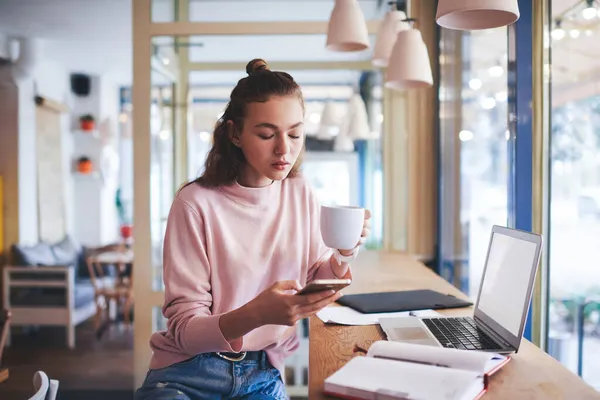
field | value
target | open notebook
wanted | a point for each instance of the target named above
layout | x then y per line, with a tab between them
396	370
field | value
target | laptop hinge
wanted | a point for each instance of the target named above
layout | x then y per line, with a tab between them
493	333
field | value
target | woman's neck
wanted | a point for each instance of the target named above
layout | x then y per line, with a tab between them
250	178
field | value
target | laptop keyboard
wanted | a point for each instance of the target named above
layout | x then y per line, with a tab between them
460	333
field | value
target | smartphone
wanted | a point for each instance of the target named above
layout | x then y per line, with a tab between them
319	285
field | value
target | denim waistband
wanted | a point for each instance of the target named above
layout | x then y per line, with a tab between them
257	356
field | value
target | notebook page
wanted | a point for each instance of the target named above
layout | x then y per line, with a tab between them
363	377
348	316
476	361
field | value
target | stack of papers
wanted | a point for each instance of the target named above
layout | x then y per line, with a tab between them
349	316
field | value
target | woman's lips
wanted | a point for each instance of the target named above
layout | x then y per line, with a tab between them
280	165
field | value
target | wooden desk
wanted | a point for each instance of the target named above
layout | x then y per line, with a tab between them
532	374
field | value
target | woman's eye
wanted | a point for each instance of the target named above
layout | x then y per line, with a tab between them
295	136
266	137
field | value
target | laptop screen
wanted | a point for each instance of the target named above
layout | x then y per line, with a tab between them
504	289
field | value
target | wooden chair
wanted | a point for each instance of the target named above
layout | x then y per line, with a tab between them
109	290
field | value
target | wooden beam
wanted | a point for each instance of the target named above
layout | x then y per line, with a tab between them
186	28
142	152
283	65
180	110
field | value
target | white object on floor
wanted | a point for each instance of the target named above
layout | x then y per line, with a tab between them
349	316
45	388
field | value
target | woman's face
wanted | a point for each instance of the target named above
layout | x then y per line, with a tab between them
271	140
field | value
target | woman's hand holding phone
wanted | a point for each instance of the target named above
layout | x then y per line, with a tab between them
276	306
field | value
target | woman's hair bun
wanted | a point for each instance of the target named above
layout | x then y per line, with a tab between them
258	64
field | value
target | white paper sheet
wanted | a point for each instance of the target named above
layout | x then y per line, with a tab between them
349	316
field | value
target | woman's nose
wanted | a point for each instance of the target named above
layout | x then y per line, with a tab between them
282	146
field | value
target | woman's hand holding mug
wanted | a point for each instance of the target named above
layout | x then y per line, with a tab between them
366	231
344	228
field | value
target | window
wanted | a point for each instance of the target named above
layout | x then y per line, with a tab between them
474	150
574	313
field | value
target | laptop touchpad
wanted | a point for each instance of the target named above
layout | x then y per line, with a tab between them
408	329
410	334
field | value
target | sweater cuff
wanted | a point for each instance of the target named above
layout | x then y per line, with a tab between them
325	270
203	335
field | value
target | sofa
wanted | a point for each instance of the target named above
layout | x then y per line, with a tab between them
49	285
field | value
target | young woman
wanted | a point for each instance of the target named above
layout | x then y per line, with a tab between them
240	241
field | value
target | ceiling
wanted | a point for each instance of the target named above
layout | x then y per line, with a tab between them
94	36
576	56
575	71
330	77
260	10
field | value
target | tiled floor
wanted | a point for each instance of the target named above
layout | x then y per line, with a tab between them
105	364
95	369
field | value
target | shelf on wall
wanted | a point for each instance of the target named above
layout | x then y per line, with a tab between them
95	175
92	134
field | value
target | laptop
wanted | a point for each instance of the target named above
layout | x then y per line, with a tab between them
501	307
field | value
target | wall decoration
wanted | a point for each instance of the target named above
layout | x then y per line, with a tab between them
50	174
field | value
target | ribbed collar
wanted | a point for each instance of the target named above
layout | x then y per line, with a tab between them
252	196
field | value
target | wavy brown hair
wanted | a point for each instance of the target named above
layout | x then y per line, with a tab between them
225	160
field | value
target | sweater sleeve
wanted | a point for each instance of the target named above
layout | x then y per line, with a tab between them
320	256
188	297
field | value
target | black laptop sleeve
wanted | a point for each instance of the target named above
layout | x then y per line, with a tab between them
409	300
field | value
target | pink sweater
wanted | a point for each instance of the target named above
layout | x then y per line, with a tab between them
222	248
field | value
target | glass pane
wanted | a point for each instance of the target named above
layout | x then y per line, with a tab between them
294	10
330	177
161	169
125	192
163	10
574	313
270	47
161	172
159	322
474	132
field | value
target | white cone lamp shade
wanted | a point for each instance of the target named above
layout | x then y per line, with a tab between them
343	144
347	29
328	122
409	66
476	14
386	37
356	123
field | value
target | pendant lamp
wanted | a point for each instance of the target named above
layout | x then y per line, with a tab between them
409	66
343	144
355	124
347	29
392	23
476	14
328	122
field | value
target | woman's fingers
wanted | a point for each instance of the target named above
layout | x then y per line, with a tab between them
314	307
312	298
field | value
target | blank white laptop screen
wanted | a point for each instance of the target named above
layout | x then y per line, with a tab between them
504	288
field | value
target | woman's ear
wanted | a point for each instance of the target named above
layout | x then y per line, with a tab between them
233	135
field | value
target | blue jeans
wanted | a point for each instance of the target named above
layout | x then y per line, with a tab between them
208	376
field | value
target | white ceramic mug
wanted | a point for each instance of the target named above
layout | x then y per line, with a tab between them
341	226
